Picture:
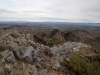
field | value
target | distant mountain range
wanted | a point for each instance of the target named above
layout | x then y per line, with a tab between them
49	23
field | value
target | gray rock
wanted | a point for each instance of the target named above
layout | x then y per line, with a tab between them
56	65
43	72
68	59
25	54
8	55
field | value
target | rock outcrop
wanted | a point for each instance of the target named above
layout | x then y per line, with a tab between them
20	55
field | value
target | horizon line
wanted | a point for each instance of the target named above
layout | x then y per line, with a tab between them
48	22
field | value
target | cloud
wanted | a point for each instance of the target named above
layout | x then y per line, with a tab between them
36	19
6	11
51	10
52	19
35	12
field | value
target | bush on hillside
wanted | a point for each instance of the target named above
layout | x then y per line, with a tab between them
81	67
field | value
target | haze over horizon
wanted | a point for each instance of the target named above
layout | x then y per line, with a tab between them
50	10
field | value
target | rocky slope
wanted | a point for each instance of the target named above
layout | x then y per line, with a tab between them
56	37
61	34
21	55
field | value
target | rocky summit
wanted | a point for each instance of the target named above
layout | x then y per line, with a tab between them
21	55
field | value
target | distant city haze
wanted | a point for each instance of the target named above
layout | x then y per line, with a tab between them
50	10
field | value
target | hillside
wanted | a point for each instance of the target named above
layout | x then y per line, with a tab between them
21	55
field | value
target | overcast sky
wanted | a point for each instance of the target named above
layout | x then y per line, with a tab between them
50	10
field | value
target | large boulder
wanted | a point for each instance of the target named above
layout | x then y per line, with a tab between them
24	53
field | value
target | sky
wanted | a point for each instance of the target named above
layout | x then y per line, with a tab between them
50	10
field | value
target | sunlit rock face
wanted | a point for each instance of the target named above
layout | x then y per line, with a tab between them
20	55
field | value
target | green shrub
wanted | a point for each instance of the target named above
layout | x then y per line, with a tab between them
79	65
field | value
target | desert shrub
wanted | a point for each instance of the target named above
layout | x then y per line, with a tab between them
63	63
78	65
93	68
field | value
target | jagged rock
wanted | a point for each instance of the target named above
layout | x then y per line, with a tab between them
13	45
54	32
15	34
43	72
88	52
50	73
56	65
67	59
26	53
23	56
21	41
71	37
29	37
33	45
8	55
